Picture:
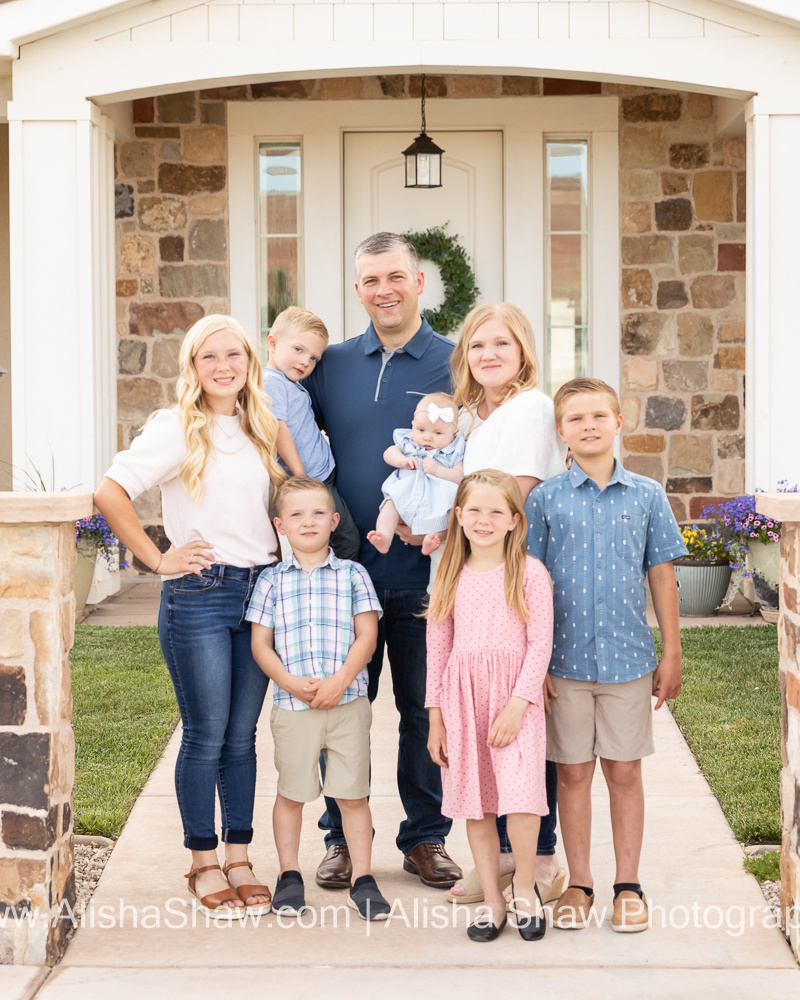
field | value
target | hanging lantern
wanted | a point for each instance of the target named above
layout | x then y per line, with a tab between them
423	157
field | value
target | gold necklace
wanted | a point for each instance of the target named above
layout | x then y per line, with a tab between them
219	426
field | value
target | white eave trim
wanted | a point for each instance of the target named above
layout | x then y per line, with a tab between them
780	10
23	21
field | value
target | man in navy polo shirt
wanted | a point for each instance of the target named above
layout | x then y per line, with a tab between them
362	390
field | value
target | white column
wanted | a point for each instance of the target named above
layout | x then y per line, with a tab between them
63	327
773	308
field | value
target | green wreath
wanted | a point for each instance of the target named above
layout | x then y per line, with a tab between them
460	288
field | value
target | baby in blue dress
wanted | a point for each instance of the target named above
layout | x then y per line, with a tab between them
428	459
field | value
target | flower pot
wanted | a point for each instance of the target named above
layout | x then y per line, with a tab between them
98	592
114	575
764	563
106	581
84	574
702	586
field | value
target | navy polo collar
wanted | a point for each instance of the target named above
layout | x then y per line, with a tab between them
416	347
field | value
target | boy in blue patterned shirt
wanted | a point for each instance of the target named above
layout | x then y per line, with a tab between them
600	529
315	627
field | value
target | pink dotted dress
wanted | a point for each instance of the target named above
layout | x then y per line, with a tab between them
480	656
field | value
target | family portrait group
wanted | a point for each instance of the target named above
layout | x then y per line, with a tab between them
408	498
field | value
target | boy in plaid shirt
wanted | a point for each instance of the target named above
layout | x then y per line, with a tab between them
315	627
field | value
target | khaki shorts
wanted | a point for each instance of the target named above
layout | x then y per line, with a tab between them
588	720
341	733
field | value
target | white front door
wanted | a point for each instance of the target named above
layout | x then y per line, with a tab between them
498	211
470	201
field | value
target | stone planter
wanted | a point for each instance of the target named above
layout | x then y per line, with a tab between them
785	507
37	743
702	586
764	563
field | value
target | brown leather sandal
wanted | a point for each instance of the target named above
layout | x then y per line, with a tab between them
244	892
212	903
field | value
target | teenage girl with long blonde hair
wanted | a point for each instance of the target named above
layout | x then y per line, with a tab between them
213	456
490	636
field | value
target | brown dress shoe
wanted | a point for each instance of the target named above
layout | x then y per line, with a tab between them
336	869
433	865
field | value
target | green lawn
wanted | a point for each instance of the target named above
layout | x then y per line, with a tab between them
124	711
729	711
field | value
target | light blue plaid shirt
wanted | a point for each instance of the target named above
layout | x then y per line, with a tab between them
598	545
312	615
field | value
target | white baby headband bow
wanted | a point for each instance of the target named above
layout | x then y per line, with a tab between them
440	413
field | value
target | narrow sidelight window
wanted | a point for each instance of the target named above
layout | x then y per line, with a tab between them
280	226
567	261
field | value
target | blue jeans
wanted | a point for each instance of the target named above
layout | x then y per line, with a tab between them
220	690
418	779
546	844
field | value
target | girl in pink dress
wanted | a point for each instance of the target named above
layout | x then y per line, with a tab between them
490	636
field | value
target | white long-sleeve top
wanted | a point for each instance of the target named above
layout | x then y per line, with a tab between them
233	513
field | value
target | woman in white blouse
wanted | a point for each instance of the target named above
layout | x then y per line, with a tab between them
214	458
509	425
507	421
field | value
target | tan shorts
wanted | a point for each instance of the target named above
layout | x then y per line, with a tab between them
588	720
341	733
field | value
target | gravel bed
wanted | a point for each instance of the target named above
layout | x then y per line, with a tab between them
771	890
772	894
91	855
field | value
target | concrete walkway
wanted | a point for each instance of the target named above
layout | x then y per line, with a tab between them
712	933
136	603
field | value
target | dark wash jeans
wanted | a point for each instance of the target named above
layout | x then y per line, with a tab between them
346	540
220	690
418	779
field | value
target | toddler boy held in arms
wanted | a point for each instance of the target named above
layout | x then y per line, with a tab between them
297	341
599	530
315	627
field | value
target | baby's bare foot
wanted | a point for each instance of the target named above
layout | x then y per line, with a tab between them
379	540
430	543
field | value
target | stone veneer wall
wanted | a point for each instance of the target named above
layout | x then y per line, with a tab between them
683	260
682	296
37	745
786	508
172	253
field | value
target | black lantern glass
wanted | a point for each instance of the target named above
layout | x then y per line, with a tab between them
423	157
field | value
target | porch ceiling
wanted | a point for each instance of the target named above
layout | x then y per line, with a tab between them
739	71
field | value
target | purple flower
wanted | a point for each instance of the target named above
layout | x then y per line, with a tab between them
96	533
738	521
